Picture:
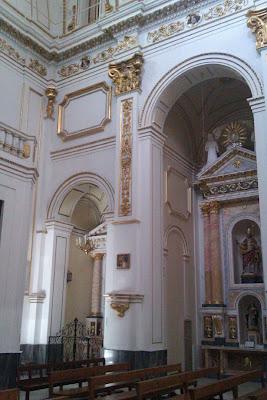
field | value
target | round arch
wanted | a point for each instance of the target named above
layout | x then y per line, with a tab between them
73	182
249	293
178	231
236	67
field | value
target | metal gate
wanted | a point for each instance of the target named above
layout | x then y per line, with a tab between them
72	343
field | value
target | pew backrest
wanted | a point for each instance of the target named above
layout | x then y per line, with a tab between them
131	376
224	385
90	362
32	371
162	384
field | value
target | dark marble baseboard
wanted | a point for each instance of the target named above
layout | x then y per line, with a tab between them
137	359
8	369
34	353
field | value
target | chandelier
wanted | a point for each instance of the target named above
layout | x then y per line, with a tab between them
84	244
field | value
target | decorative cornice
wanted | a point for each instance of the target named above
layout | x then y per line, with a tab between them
233	187
195	18
257	22
108	34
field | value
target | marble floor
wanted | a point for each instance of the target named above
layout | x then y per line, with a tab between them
243	389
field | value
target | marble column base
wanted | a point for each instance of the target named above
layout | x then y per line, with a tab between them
137	359
8	369
34	353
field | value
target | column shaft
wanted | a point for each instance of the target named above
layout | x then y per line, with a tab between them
206	222
97	286
215	253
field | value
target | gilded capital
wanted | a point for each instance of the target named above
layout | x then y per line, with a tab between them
126	75
98	256
214	207
257	22
51	94
205	209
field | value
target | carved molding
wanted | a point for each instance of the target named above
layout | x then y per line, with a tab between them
233	187
38	297
100	126
165	31
125	200
257	22
120	301
126	75
71	69
37	67
128	42
195	18
232	327
11	52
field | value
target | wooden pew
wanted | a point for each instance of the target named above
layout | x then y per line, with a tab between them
32	377
168	384
109	383
91	362
78	376
230	384
9	394
35	376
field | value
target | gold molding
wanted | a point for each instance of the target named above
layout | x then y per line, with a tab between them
257	22
65	135
125	200
51	94
126	75
120	308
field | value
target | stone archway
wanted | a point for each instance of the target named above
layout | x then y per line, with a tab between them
174	167
160	99
67	217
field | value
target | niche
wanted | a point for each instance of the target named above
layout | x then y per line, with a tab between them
246	242
250	320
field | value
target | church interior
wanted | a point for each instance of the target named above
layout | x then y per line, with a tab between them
133	184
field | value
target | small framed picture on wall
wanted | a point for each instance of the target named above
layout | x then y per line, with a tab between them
123	261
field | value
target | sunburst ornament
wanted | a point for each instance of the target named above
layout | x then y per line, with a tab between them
233	135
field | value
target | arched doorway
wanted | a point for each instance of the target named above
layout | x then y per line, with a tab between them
84	202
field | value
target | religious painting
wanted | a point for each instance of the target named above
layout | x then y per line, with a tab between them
123	261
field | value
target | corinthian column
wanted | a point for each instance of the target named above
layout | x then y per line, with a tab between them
97	286
215	253
205	208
